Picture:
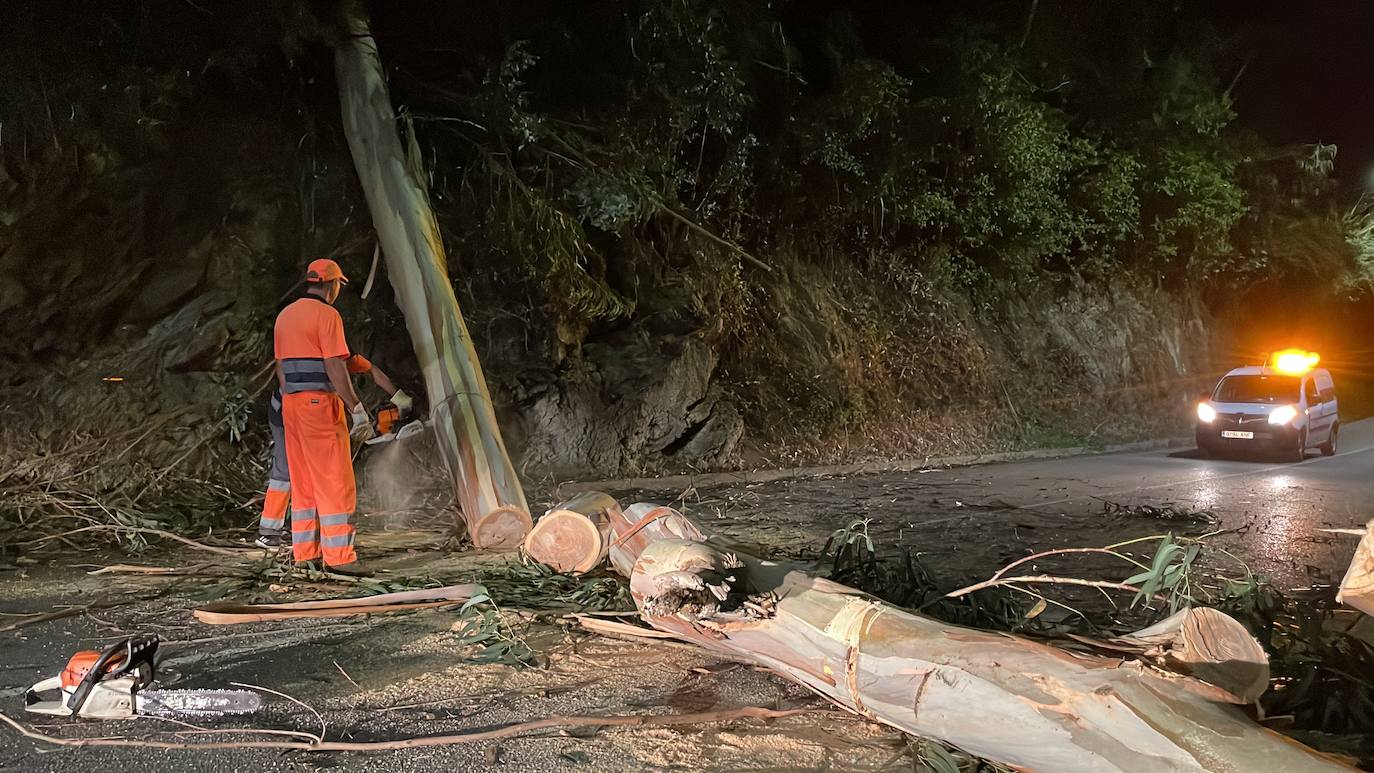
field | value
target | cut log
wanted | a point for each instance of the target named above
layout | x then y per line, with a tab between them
574	536
635	528
461	414
1012	700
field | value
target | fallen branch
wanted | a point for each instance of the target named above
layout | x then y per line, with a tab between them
323	726
519	728
43	617
70	611
1063	551
1041	579
145	530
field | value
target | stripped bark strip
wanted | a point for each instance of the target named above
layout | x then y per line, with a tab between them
229	613
461	414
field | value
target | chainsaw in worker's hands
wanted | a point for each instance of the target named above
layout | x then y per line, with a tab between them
112	684
394	423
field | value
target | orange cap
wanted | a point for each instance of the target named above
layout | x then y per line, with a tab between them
324	270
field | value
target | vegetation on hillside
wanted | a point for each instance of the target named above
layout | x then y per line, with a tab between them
872	214
693	164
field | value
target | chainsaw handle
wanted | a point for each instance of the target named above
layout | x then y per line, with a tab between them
137	651
32	696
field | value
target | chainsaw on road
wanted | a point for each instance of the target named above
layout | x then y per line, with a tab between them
112	684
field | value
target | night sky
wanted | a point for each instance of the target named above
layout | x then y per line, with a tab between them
1310	71
1312	76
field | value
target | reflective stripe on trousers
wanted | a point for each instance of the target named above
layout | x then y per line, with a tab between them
278	494
323	495
336	533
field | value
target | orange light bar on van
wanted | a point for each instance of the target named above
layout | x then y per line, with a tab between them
1295	362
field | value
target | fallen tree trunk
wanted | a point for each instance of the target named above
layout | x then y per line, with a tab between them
461	414
1008	699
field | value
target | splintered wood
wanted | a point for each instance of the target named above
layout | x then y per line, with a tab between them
1357	587
1162	699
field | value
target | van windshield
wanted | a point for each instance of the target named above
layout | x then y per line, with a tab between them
1257	389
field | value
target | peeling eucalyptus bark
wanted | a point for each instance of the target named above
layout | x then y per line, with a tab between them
1015	701
461	414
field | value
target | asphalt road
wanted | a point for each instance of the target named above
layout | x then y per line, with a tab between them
972	520
399	676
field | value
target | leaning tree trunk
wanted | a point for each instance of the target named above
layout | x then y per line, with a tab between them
461	413
1008	699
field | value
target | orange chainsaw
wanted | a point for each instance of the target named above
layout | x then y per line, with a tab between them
392	424
112	684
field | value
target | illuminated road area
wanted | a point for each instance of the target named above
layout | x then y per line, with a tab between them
970	521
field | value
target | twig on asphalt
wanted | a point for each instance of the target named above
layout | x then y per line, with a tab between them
346	676
323	727
43	617
1043	578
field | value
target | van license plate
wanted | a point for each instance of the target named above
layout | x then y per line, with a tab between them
1238	435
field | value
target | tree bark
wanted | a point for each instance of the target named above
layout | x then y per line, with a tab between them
1008	699
461	414
1357	586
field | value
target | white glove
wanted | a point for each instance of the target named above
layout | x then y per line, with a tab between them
362	428
403	402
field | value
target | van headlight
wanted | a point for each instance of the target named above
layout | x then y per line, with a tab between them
1283	414
1206	413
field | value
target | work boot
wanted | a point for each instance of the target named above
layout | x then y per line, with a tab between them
355	569
312	565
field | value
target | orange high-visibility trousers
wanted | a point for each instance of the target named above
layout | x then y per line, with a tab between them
323	495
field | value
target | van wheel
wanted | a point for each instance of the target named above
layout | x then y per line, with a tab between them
1329	447
1300	453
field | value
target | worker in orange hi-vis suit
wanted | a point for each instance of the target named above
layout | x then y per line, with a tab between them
317	404
278	493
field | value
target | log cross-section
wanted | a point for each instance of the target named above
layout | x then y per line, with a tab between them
461	413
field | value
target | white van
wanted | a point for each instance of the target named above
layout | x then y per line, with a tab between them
1285	407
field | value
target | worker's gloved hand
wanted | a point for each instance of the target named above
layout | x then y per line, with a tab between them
362	429
403	402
